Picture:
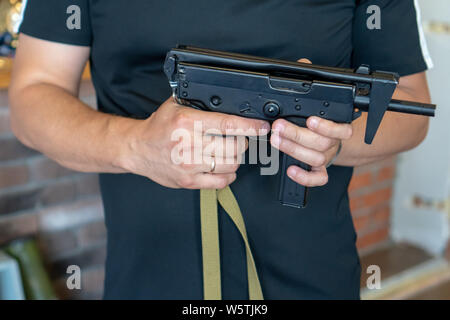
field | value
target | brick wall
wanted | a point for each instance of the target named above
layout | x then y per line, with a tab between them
62	208
370	194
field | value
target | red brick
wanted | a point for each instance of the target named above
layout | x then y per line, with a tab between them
386	173
58	192
38	196
12	149
356	202
378	197
87	185
376	237
370	193
43	168
17	227
24	199
360	180
13	175
54	244
361	222
381	216
92	280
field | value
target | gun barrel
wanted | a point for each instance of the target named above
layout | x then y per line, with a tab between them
412	108
423	109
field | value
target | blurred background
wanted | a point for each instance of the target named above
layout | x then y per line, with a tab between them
52	218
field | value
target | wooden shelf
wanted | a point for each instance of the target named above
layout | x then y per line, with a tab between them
5	72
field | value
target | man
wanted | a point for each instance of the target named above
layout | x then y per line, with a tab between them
151	204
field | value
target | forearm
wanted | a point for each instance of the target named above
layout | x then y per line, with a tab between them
398	133
50	119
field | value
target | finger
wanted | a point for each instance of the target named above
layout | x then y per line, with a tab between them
304	60
214	181
305	155
219	123
315	178
221	165
196	160
302	136
206	164
225	147
330	129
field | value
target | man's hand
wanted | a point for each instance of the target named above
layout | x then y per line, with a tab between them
151	146
315	145
44	89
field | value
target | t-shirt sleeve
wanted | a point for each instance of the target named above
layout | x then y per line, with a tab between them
387	35
64	21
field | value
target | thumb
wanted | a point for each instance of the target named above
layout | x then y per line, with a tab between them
304	60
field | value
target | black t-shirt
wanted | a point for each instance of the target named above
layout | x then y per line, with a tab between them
154	247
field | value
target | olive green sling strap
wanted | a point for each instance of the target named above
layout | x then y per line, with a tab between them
212	289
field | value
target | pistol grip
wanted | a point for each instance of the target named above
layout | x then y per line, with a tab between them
291	193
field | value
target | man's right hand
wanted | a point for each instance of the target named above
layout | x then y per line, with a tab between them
151	144
46	115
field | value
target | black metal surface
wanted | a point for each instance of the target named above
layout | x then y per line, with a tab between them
270	89
410	107
291	193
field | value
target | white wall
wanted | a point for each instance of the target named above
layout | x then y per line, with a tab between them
425	171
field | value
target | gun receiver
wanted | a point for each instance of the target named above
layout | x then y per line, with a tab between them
269	89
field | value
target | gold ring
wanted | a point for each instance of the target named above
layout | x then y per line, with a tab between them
213	165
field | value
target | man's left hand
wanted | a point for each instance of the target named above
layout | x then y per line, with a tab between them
316	145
